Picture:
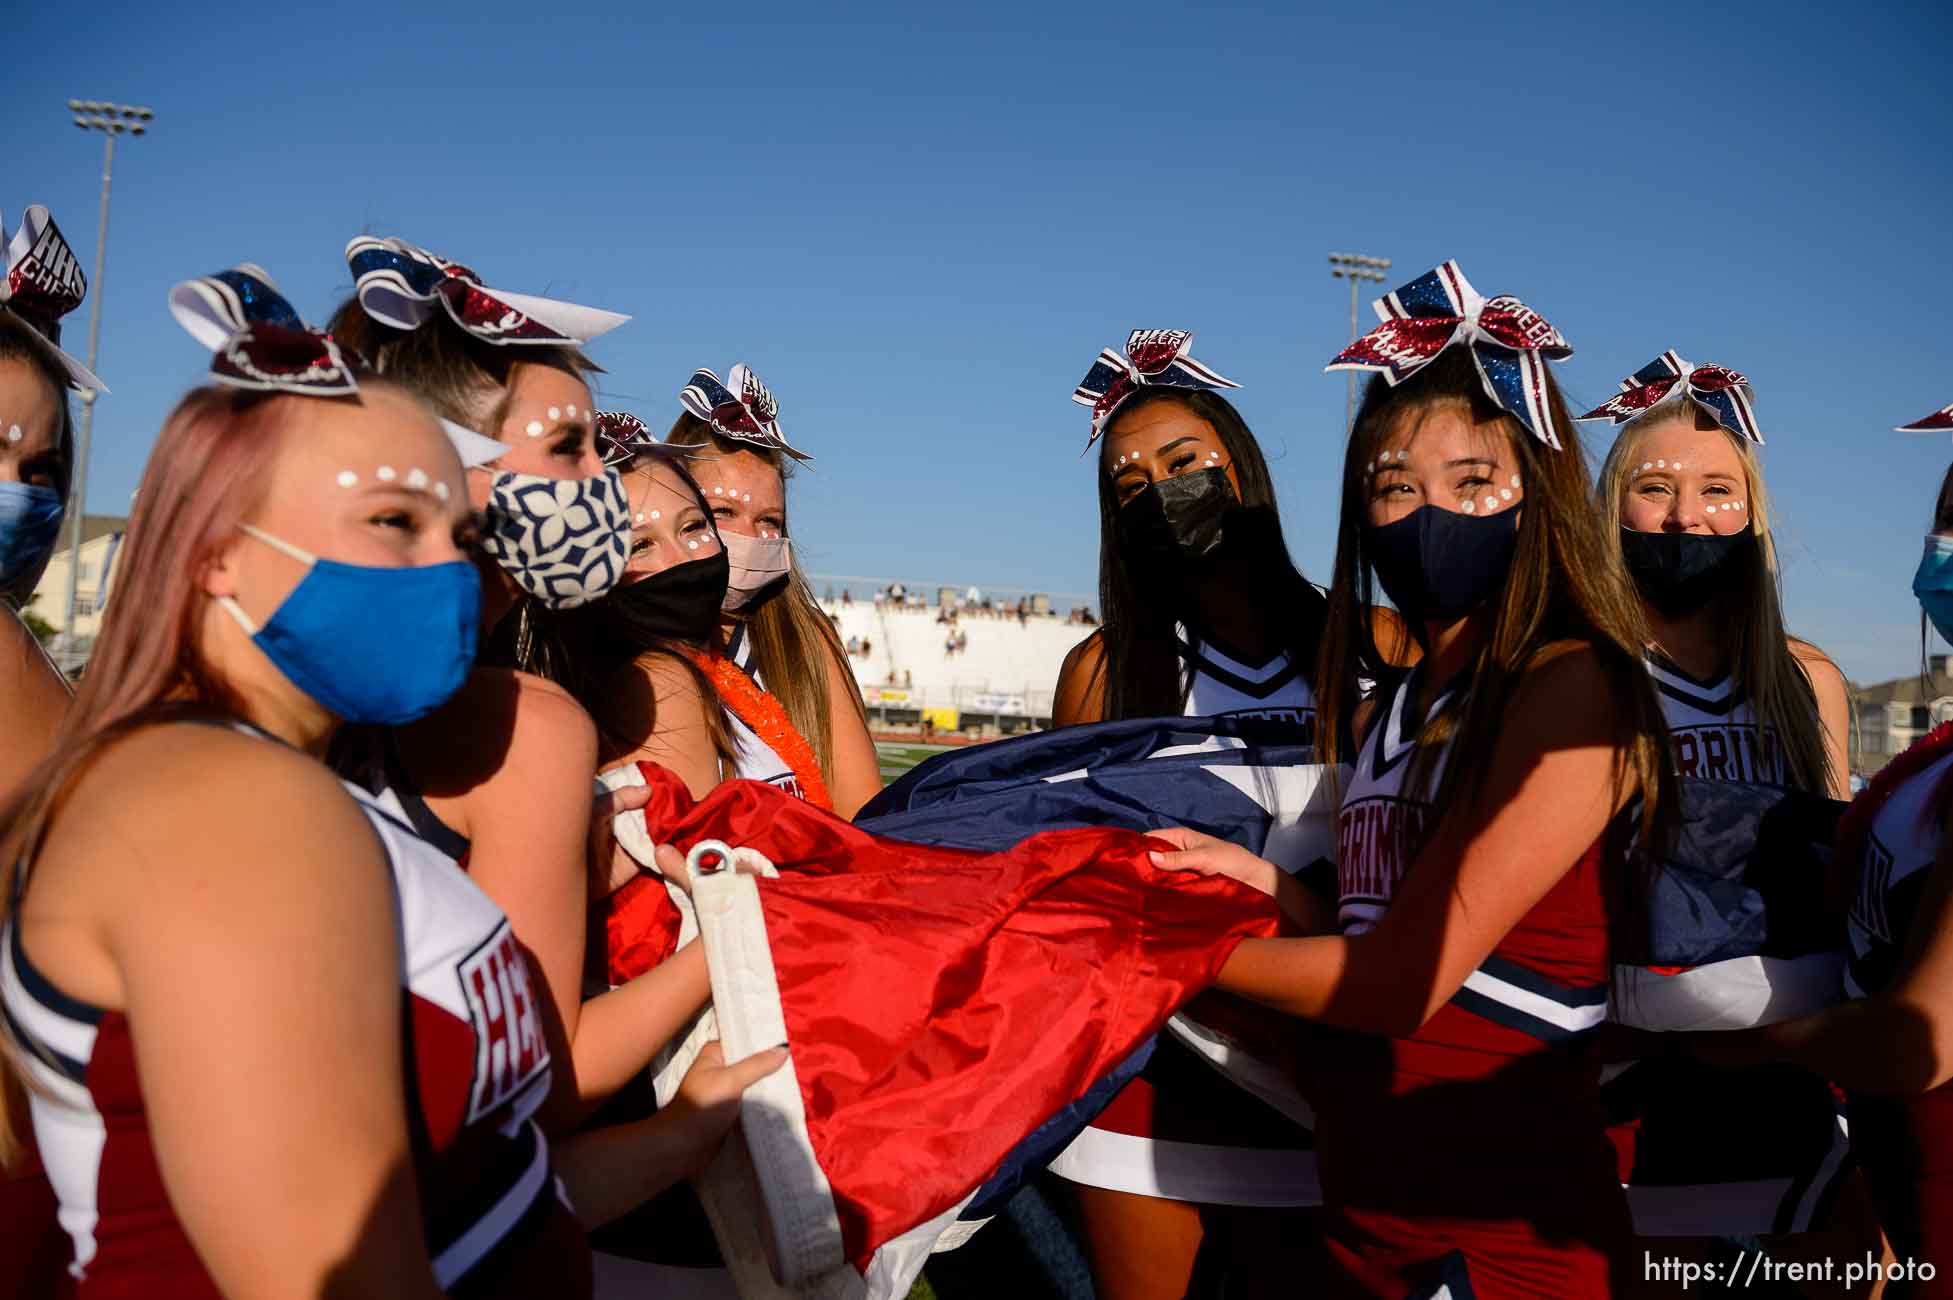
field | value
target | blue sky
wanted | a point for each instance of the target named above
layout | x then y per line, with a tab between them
920	224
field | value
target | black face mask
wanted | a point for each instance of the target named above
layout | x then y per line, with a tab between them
1679	573
679	604
1177	519
1437	565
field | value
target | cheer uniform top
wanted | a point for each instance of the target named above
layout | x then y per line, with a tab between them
480	1067
1904	1143
1706	1150
1181	1130
1470	1153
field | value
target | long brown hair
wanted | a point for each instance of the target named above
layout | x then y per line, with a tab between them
207	473
1749	610
16	346
1142	668
792	640
1561	587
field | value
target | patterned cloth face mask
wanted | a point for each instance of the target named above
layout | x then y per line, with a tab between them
564	540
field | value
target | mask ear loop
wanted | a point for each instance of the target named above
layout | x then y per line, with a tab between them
229	604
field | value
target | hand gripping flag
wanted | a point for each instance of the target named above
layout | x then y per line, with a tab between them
941	1006
1716	389
1183	1129
258	341
1510	343
1938	422
43	283
399	284
742	408
1152	359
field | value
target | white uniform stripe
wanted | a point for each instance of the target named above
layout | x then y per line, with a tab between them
465	1251
1558	1014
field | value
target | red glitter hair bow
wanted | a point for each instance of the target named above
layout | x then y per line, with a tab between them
44	283
1938	422
399	285
741	408
1152	359
620	435
1716	389
1510	343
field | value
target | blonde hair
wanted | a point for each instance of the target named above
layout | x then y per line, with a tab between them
1749	612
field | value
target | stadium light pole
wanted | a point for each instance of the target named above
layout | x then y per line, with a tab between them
111	120
1355	268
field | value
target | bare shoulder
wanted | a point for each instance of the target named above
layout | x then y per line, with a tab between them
1568	678
1085	657
1820	666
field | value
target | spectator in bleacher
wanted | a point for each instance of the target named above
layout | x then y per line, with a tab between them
854	645
1205	613
773	628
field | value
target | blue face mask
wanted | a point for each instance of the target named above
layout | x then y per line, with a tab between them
372	645
1933	584
30	521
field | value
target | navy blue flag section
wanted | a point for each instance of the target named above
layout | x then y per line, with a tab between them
1736	932
1239	779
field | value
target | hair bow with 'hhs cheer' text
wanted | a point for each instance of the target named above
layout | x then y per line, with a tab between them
741	408
399	284
621	435
1938	422
258	341
1716	389
1510	343
44	283
1152	359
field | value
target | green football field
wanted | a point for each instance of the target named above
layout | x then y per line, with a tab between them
898	758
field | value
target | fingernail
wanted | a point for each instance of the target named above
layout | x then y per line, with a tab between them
1153	856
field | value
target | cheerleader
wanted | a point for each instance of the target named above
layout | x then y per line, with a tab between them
36	438
1711	1152
196	970
499	779
1459	981
773	629
1205	614
1891	1045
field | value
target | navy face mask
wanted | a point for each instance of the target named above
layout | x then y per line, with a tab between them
1437	565
1679	573
371	645
30	521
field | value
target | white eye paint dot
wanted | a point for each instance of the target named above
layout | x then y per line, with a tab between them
1676	465
441	491
416	478
691	546
1403	455
534	428
555	413
1647	464
1661	464
718	491
1370	467
747	497
657	514
1470	507
347	478
1515	480
14	434
385	474
1491	503
639	517
1505	494
571	411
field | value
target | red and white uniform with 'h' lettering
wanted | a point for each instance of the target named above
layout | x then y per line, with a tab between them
480	1063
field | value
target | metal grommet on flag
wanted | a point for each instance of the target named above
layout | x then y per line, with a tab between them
1510	343
1716	389
709	858
1152	359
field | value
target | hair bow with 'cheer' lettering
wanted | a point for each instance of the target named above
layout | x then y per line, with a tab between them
44	283
741	408
1152	359
399	285
1716	389
259	342
1510	343
621	435
1938	422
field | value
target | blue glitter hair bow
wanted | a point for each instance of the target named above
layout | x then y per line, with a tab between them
1510	343
399	284
741	408
1716	389
1152	359
256	338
